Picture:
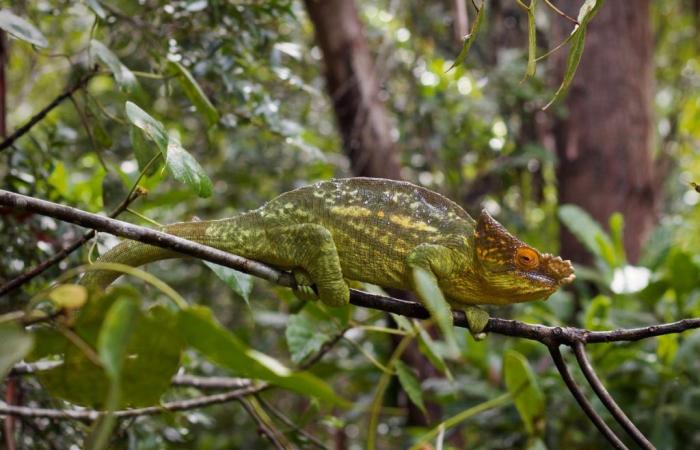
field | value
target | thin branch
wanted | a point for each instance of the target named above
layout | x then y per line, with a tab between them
560	12
265	429
294	427
608	401
64	252
24	129
582	400
90	415
541	333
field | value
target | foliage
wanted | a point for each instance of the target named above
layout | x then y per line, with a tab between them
220	105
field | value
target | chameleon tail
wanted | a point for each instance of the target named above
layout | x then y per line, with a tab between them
134	253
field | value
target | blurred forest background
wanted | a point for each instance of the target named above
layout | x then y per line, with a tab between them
267	96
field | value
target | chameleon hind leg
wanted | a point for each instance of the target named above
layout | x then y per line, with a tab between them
309	247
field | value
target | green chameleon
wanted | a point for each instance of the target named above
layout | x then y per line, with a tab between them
389	233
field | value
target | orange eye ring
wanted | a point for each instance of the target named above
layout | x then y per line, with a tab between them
527	258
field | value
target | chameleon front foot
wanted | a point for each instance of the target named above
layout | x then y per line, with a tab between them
477	319
304	290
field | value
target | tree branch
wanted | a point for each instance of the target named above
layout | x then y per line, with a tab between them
582	400
90	415
24	129
608	401
64	252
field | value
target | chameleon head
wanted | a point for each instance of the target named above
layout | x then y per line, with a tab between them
512	271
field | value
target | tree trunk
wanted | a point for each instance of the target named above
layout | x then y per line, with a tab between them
353	86
604	143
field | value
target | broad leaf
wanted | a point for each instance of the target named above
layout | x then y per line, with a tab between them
586	230
21	29
239	282
152	128
526	393
186	169
195	93
122	75
431	295
69	296
97	8
154	348
410	384
114	335
430	349
15	344
220	346
143	150
305	336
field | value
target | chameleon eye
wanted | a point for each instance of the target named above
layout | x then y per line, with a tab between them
527	258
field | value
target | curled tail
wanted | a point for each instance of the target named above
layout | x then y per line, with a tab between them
135	254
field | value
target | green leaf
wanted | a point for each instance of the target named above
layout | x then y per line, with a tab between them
429	348
143	151
15	344
152	128
598	313
584	228
410	384
617	225
21	29
205	334
667	347
69	296
531	37
431	295
403	323
469	39
97	8
195	93
683	273
124	77
578	38
523	387
181	165
154	348
186	169
239	282
304	336
114	335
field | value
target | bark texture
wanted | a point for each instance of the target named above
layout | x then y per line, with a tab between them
354	88
604	144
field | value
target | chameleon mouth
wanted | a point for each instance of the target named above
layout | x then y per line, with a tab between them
561	271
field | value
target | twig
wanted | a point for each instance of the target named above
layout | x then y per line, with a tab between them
608	401
24	129
91	414
582	400
560	12
265	429
287	421
134	193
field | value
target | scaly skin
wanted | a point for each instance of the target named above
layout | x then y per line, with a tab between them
376	231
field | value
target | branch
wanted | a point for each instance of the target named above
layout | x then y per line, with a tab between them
24	129
582	400
64	252
545	334
608	401
90	415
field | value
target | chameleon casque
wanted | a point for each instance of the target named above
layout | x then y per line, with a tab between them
376	231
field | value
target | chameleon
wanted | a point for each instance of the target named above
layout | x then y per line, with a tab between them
384	232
